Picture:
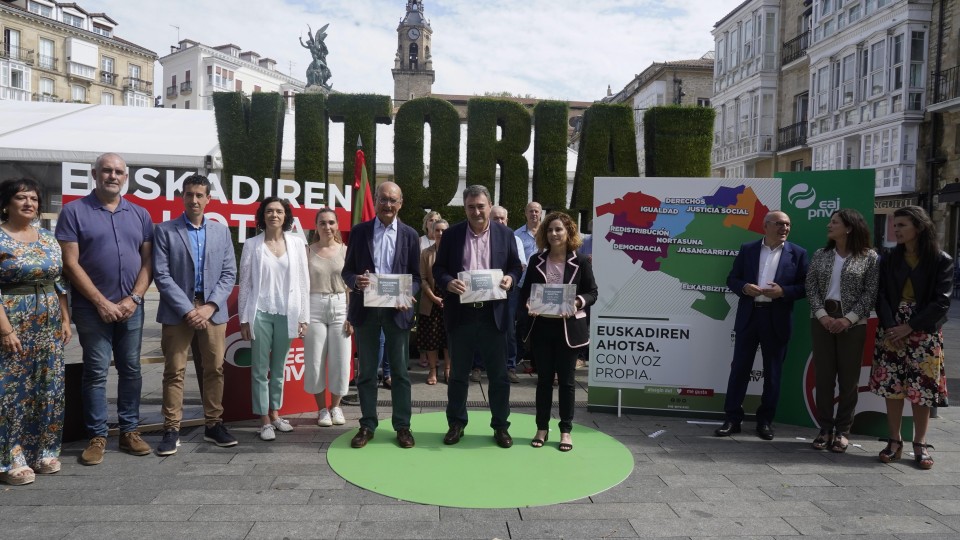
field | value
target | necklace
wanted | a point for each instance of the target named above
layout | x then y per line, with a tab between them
277	246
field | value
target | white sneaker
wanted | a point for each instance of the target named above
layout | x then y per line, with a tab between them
283	425
337	414
323	418
267	433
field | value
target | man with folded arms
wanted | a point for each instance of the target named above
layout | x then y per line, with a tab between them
479	327
195	269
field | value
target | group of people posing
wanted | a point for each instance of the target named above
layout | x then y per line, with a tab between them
909	287
109	252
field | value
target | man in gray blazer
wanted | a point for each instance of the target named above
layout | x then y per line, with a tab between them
195	269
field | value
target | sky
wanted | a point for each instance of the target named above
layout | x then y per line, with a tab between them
559	49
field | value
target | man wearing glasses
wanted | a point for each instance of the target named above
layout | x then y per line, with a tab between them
382	245
768	275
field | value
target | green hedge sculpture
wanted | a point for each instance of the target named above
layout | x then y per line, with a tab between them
485	152
677	140
608	147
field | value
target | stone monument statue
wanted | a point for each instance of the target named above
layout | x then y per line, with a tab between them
317	73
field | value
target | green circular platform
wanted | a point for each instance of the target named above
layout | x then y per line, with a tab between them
476	473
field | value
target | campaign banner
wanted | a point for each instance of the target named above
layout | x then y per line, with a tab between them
662	328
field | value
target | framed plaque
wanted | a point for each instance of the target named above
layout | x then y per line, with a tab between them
553	300
482	286
389	290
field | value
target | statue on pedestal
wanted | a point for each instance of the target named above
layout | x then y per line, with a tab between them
317	73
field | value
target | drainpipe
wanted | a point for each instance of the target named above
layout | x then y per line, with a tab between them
932	160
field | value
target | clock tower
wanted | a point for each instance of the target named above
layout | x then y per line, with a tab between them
413	66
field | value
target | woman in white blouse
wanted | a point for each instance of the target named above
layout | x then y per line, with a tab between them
326	345
274	307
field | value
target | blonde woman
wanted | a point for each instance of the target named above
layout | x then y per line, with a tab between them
326	345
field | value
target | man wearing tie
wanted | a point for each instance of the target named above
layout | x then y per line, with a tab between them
382	245
479	327
768	275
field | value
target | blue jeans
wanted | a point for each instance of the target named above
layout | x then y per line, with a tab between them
99	339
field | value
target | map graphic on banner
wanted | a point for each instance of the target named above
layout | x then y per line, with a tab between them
669	235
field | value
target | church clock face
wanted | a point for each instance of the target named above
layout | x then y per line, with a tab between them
413	33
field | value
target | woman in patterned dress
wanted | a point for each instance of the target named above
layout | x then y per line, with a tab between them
916	280
34	327
431	334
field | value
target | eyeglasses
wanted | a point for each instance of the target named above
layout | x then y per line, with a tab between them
387	200
779	223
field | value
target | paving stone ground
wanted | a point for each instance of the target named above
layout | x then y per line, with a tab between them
686	484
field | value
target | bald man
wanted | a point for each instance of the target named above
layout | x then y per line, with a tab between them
768	275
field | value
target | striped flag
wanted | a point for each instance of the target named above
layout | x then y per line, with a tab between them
362	197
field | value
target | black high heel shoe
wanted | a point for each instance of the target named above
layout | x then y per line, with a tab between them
888	454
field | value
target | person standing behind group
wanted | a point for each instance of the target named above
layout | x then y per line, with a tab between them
916	280
34	327
274	307
431	335
326	345
426	240
478	327
395	250
842	289
107	244
498	214
528	238
195	269
555	341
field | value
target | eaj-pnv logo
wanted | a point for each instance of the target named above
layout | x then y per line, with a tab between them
803	196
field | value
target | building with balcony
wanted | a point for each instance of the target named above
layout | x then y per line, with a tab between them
868	92
57	52
680	82
793	96
193	71
745	85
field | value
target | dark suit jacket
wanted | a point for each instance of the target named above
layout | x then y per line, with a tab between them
578	271
932	286
791	276
359	259
449	263
173	270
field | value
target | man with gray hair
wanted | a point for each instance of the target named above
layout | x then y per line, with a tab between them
478	327
498	214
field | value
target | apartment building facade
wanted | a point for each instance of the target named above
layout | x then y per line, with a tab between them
59	52
192	72
848	80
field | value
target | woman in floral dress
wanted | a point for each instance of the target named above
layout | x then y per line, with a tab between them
34	327
916	280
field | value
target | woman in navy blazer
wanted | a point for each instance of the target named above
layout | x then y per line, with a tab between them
554	340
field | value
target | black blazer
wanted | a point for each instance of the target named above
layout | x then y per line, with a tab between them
449	263
932	285
791	275
578	271
359	259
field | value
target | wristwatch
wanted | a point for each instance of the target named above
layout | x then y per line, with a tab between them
137	299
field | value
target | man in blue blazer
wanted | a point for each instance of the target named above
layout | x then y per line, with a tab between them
480	327
768	275
195	269
382	245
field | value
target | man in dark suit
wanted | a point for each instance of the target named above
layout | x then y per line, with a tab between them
382	245
195	269
480	327
768	275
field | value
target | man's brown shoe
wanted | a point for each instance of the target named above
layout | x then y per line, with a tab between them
361	438
503	438
131	443
405	438
453	434
93	455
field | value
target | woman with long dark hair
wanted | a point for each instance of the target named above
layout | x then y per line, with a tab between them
842	289
274	307
916	280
